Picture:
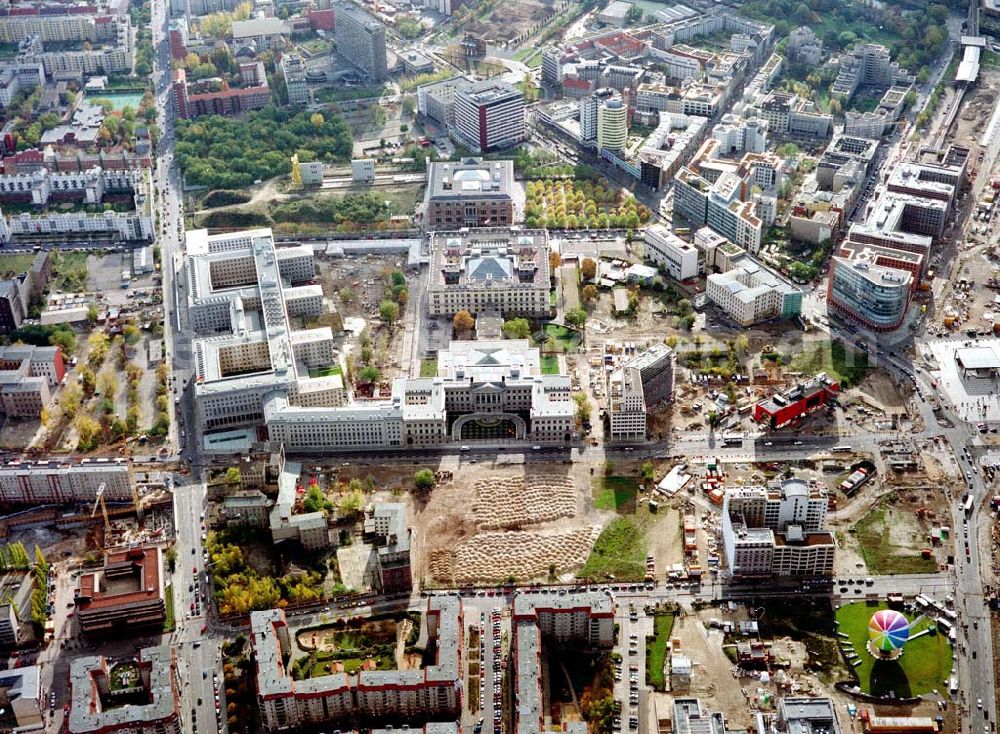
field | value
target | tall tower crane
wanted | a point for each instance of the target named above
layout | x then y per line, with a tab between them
99	502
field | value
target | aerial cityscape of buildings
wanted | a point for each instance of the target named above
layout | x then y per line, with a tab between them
473	367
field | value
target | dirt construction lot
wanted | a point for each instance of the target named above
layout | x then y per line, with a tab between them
497	521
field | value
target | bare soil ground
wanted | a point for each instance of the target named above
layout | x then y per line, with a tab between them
492	522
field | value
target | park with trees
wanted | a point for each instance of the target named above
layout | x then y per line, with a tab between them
566	204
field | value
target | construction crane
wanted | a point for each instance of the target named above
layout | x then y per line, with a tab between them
99	502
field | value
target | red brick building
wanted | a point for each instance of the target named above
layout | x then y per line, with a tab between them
781	409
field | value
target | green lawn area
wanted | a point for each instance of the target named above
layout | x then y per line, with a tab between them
561	338
123	675
428	367
881	556
924	665
990	60
168	624
846	366
550	364
16	263
351	665
615	493
325	371
620	551
656	651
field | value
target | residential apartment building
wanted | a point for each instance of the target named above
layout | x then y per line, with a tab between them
679	259
720	193
360	39
576	618
489	115
674	140
741	135
123	226
470	193
489	269
22	688
94	705
294	70
749	292
227	102
88	187
15	607
433	691
777	532
18	76
13	304
53	482
124	595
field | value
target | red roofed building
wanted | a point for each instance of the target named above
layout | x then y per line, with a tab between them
228	102
125	594
781	409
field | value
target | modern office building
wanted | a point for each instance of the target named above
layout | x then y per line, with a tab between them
777	531
590	116
97	703
679	259
790	114
612	125
489	269
637	384
360	39
433	691
749	292
470	193
293	67
801	715
125	595
489	115
876	296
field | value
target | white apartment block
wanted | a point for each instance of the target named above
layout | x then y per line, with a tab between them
487	269
48	482
89	186
679	259
18	76
125	226
573	618
285	703
750	293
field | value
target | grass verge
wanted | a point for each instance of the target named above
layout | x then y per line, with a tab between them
169	623
656	651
